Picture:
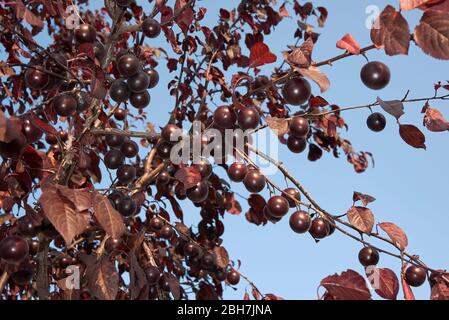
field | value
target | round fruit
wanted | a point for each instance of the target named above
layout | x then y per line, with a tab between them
36	79
128	65
277	206
248	118
111	244
113	159
154	78
208	261
85	33
368	256
220	274
204	167
254	181
198	193
119	91
300	222
64	105
167	232
115	198
51	139
139	82
83	101
65	261
151	28
63	135
14	249
299	127
140	100
191	250
114	140
319	228
375	75
32	132
129	148
415	276
163	178
120	114
225	117
296	145
153	275
127	206
233	277
237	171
126	173
296	91
156	223
163	149
171	133
27	227
293	193
164	283
376	122
33	246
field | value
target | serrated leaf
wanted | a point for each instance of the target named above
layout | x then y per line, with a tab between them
108	218
104	279
384	281
348	286
396	234
392	32
394	107
362	218
432	34
63	214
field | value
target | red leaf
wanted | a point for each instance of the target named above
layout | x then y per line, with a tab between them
302	56
366	199
391	31
348	286
412	4
188	176
108	218
232	206
435	121
349	44
408	293
260	55
22	12
384	281
62	214
432	34
394	107
185	19
362	218
222	257
412	136
46	127
396	234
440	291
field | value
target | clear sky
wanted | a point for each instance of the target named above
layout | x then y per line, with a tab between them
410	185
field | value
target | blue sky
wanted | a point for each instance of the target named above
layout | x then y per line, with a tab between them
410	185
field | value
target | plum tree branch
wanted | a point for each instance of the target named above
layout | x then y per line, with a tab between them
331	218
